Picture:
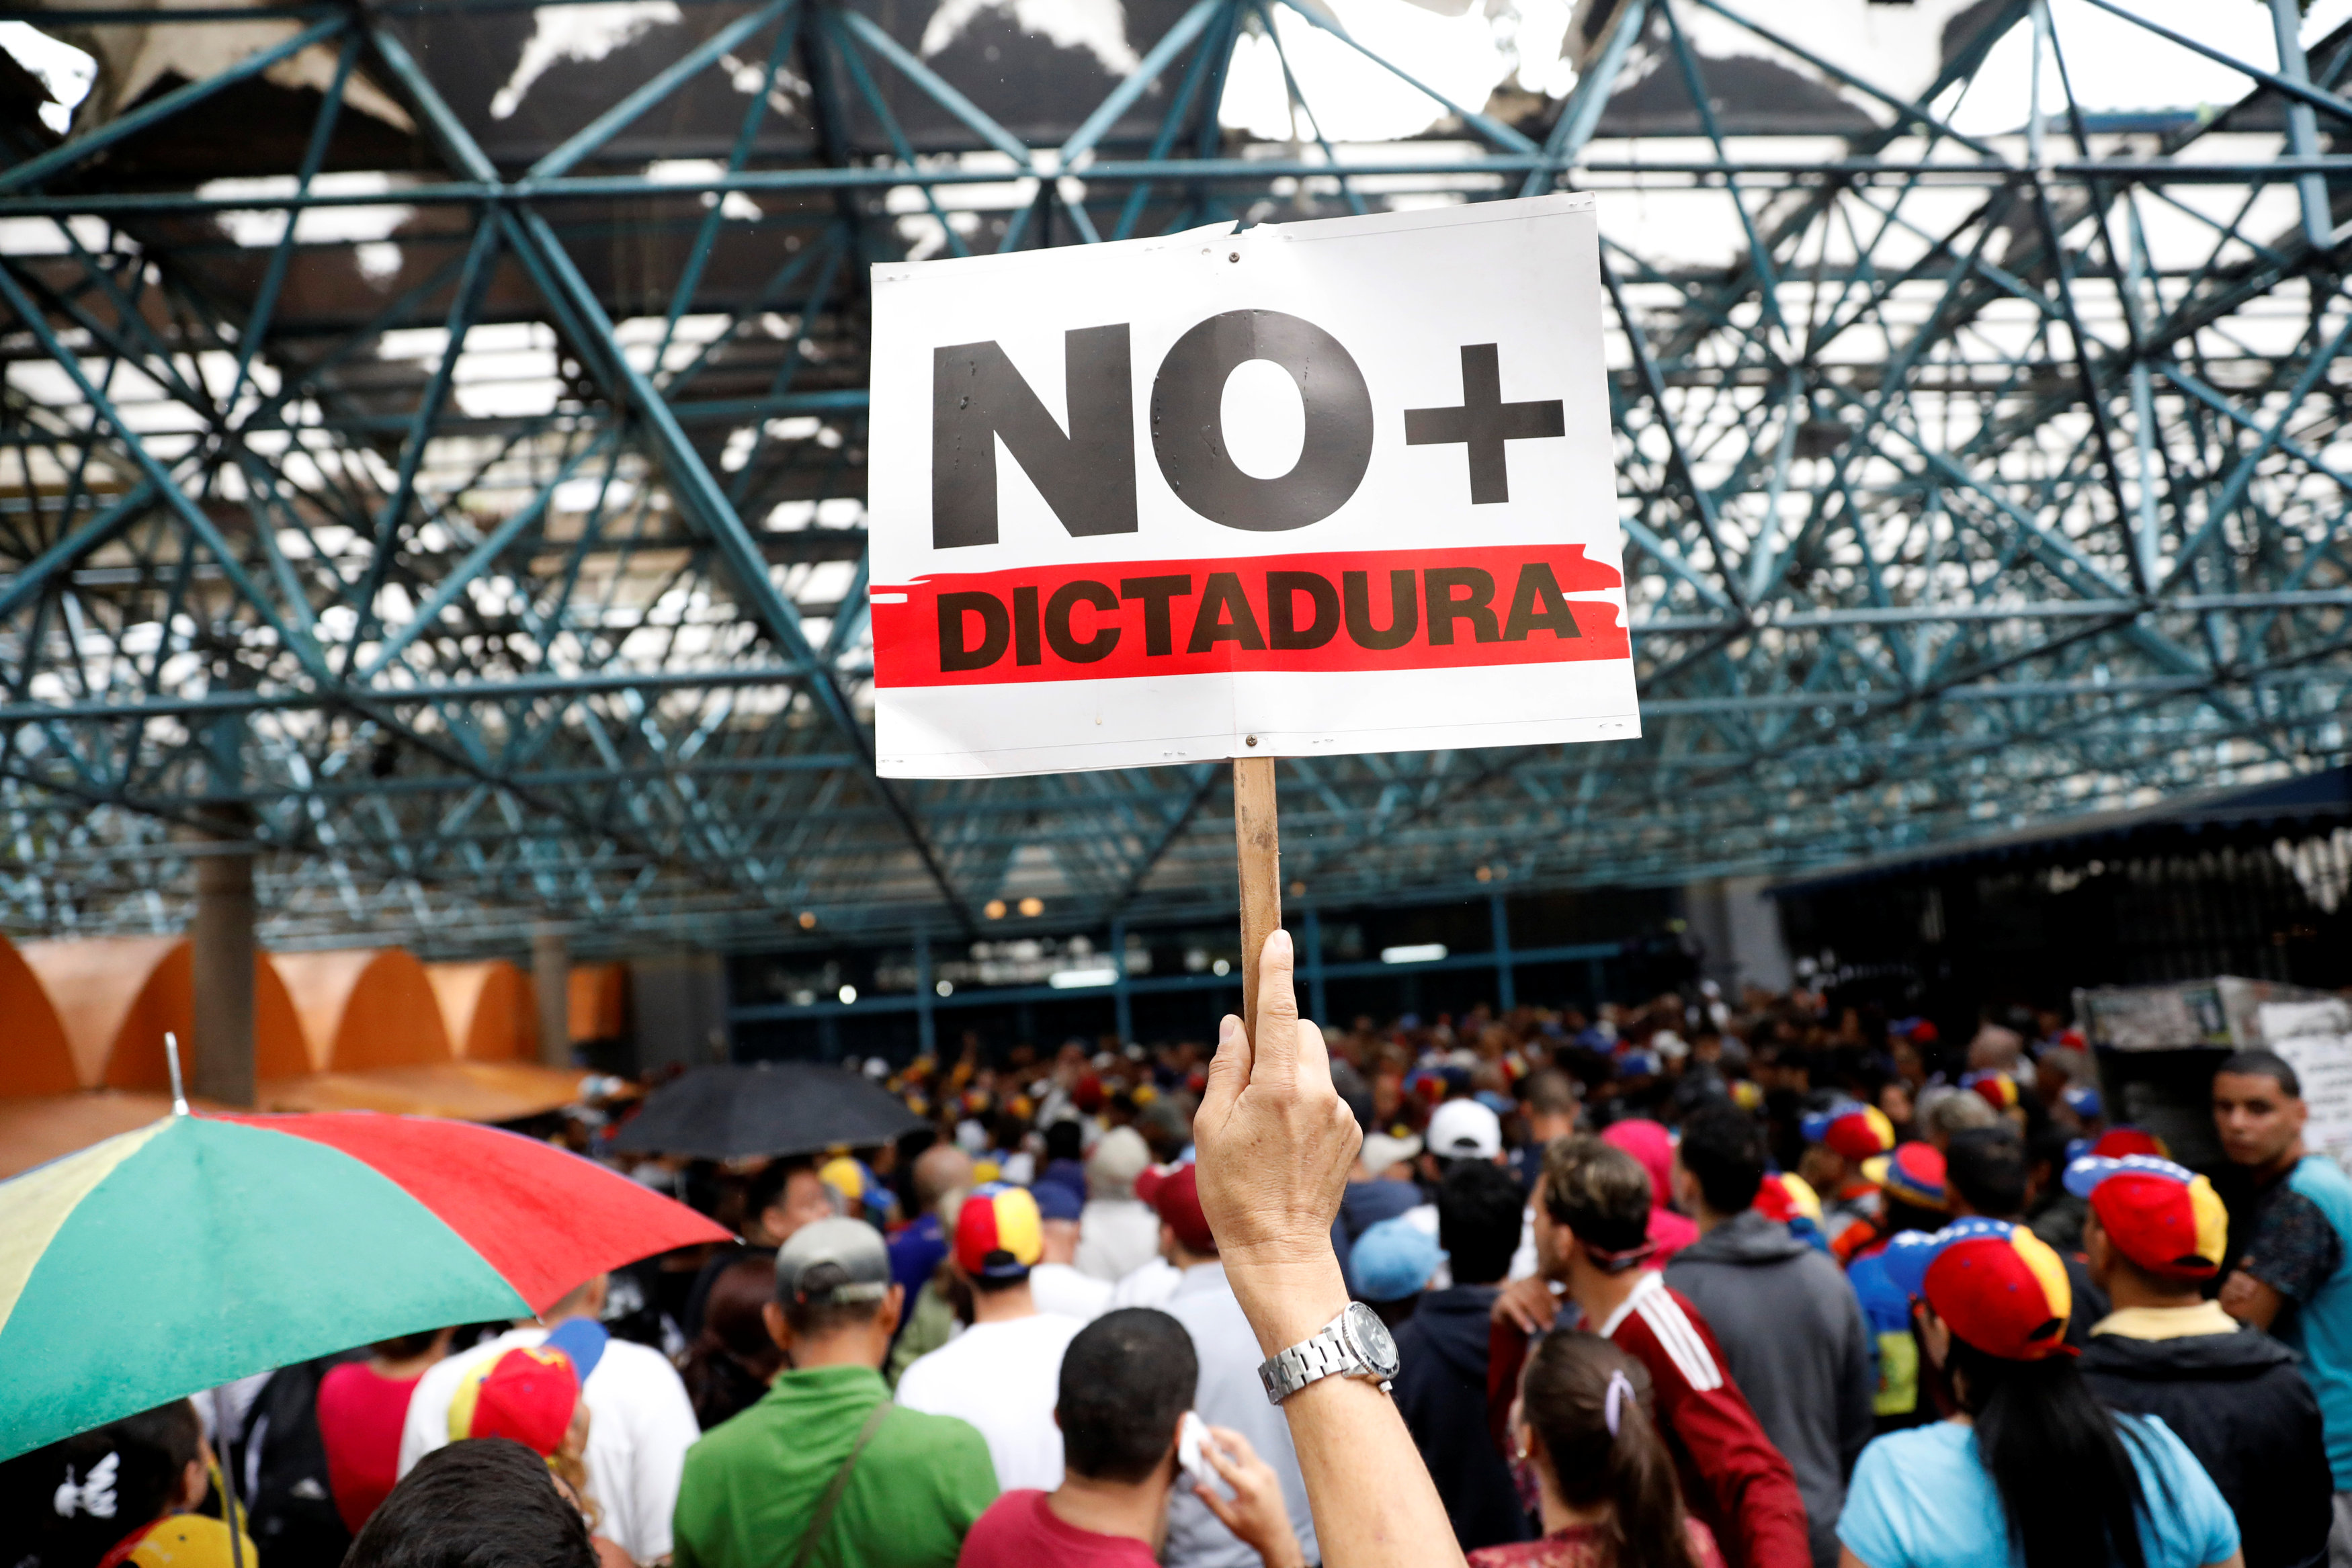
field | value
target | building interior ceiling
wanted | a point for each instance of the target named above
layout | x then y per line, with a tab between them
431	443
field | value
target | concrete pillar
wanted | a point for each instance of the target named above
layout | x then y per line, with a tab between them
1739	930
550	982
220	1067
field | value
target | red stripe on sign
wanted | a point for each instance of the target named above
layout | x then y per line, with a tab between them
1369	610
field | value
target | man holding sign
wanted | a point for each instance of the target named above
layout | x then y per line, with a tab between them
1307	489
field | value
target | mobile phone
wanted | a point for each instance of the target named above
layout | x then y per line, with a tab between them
1191	1435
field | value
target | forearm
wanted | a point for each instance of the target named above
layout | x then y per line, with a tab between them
1373	1502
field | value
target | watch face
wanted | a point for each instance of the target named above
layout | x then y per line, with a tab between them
1371	1339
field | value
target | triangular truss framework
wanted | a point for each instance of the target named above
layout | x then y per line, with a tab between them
1991	479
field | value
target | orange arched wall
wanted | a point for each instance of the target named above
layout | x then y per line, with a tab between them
487	1010
599	1001
116	996
35	1057
362	1008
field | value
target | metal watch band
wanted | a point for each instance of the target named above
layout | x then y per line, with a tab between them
1319	1356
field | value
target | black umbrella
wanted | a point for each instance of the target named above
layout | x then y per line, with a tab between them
784	1108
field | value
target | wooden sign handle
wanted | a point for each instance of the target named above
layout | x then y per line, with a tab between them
1258	853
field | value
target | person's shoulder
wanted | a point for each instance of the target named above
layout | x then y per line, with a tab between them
440	1380
2320	1180
1667	1331
1912	1450
2158	1443
343	1381
909	1433
724	1444
634	1360
1051	1329
1011	1520
629	1371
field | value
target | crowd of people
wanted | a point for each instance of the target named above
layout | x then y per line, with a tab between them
1686	1284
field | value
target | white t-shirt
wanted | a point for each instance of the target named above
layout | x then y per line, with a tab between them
1117	1236
640	1424
1059	1287
1148	1286
1005	1379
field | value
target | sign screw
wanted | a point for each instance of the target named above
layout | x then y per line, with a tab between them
1235	256
1252	739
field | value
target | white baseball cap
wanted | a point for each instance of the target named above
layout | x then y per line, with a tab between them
1464	1130
1382	1150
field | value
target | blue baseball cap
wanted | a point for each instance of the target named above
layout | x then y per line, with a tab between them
1393	1259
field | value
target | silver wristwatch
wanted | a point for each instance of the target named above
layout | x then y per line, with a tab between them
1356	1344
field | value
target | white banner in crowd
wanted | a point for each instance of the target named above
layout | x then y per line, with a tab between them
1307	490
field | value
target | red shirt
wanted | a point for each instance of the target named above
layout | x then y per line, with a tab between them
1019	1532
1582	1546
360	1417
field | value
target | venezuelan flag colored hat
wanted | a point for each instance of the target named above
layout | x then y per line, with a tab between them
1785	1196
1850	1128
1997	1090
1913	1174
998	1233
2118	1142
2163	1217
1997	1285
528	1394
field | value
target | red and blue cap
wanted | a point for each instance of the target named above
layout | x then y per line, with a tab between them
998	1233
1913	1174
2163	1217
1997	1286
1851	1128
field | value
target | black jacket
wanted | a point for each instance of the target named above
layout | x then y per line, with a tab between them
2240	1402
1441	1389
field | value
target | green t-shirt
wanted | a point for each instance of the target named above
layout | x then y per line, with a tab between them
753	1482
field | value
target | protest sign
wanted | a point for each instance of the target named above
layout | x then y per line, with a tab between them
1304	489
1310	489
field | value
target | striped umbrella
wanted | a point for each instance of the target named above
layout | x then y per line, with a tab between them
201	1249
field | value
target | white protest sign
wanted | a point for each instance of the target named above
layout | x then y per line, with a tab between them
2315	1039
1312	489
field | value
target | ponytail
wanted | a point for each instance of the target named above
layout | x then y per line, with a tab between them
1591	1405
2062	1462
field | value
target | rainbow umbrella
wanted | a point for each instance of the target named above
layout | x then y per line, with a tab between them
202	1248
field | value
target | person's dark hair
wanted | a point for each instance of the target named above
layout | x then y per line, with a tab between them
818	1316
729	1363
1126	1379
1986	1166
1566	1396
767	1188
2061	1460
486	1502
1480	1210
50	1495
1723	1147
1008	1129
2263	1065
402	1347
1599	1191
1064	1141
